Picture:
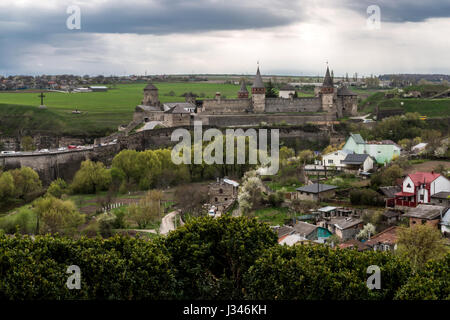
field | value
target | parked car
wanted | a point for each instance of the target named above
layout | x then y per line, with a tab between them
71	147
44	150
8	152
62	149
212	211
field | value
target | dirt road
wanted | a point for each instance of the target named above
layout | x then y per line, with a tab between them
167	224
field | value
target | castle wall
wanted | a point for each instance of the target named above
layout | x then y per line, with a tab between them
219	106
177	119
257	119
274	105
348	105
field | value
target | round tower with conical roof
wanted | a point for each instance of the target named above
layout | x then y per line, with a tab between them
258	94
151	97
243	92
328	94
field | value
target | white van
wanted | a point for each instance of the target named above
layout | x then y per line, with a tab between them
8	152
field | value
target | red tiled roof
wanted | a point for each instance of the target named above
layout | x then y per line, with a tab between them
388	236
352	243
423	177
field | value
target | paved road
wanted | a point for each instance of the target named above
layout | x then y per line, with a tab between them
167	224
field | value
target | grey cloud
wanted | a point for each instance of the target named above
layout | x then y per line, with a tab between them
403	10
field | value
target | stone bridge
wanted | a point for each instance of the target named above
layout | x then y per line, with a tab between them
62	164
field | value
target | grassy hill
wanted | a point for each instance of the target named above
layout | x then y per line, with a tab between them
426	107
102	112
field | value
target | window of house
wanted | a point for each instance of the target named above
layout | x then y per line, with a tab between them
424	221
408	186
421	197
330	161
220	190
413	222
216	199
226	199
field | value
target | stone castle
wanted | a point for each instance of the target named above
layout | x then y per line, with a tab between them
328	104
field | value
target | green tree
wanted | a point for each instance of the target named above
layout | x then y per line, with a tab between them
211	256
57	188
420	244
55	215
308	272
91	178
126	162
148	210
271	91
27	143
6	185
26	181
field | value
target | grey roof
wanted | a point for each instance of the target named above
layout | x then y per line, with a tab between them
312	188
304	228
328	81
344	91
180	108
355	158
441	195
150	87
344	222
243	87
284	230
425	211
258	83
171	105
357	137
390	191
147	108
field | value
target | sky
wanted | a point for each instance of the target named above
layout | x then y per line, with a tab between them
286	37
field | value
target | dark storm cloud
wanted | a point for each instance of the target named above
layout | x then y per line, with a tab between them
404	10
152	17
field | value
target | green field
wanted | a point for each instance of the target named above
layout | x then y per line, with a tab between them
102	112
426	107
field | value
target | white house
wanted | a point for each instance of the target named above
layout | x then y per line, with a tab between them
358	162
335	158
286	91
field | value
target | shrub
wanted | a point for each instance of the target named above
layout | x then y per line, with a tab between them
57	188
366	197
24	221
116	268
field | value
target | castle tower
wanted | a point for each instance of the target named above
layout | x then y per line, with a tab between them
151	97
258	94
328	94
243	92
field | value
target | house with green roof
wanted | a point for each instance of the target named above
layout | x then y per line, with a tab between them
382	151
